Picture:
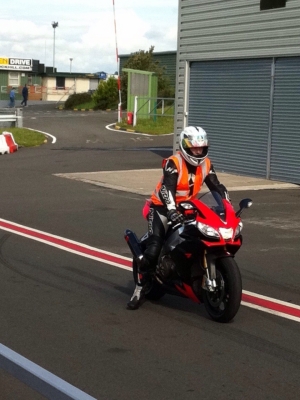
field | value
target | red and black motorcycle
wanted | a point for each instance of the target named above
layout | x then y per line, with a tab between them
197	258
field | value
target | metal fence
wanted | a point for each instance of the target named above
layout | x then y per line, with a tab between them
11	117
152	107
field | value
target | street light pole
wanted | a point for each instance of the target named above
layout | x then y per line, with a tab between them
54	25
71	59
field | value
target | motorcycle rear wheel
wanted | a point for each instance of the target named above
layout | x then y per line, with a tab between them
223	304
155	291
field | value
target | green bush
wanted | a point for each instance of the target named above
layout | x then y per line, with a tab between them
143	60
77	99
106	95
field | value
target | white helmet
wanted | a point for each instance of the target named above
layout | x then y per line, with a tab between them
191	137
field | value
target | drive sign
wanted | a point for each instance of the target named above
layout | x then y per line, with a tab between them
20	64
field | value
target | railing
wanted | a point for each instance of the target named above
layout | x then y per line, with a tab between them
39	88
8	116
146	107
66	92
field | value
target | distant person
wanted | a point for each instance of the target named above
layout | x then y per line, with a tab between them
12	96
25	96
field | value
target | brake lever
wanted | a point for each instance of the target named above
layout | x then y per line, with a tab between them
176	225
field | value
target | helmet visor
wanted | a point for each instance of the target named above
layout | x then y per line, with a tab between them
190	141
197	151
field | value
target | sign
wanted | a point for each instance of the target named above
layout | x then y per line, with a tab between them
20	64
102	75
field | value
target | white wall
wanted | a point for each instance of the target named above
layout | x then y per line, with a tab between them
72	85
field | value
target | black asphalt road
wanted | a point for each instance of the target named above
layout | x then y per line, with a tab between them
68	313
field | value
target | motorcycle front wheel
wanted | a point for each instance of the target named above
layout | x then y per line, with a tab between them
223	304
154	290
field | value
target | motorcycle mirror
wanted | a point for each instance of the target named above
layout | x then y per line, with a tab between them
245	203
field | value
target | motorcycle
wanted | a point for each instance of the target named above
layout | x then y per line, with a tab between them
197	257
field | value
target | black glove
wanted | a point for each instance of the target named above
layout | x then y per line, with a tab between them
224	192
175	217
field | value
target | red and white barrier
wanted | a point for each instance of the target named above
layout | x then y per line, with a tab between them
7	143
4	149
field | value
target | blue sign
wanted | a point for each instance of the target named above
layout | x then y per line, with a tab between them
102	75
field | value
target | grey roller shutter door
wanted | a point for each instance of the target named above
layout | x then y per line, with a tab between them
94	84
230	99
285	145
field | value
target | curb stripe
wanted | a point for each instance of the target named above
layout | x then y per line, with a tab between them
273	312
249	299
44	133
65	244
270	304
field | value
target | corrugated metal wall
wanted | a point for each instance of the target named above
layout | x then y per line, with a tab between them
285	144
230	99
231	29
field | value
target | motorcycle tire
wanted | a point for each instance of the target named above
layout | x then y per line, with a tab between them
155	291
223	304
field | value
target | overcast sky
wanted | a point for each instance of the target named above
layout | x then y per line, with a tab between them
85	31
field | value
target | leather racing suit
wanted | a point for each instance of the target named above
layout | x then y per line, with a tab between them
180	181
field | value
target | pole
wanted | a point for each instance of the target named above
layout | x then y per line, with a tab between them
119	80
71	59
53	50
54	25
135	110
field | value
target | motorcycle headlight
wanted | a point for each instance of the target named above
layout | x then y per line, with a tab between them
238	229
207	230
226	233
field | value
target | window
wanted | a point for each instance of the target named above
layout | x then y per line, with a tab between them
60	83
270	4
13	79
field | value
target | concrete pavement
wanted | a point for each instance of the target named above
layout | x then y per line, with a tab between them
143	181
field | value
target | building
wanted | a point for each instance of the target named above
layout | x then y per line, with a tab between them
238	76
15	72
58	86
43	83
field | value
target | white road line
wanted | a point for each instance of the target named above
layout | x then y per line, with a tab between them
44	133
269	311
38	378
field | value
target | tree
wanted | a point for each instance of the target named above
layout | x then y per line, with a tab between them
144	61
106	95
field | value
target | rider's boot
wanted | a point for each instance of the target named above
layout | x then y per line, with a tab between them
144	278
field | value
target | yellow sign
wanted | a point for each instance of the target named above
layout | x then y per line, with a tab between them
4	61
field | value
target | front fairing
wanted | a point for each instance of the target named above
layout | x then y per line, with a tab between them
214	219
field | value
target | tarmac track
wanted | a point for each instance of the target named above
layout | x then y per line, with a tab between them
67	313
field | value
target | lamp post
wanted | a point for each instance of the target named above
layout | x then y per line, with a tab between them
71	59
54	25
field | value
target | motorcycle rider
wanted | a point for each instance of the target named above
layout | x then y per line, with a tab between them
183	176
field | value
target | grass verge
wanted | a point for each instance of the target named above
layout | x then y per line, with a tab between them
26	137
157	126
86	106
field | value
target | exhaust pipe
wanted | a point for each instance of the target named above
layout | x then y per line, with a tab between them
133	243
